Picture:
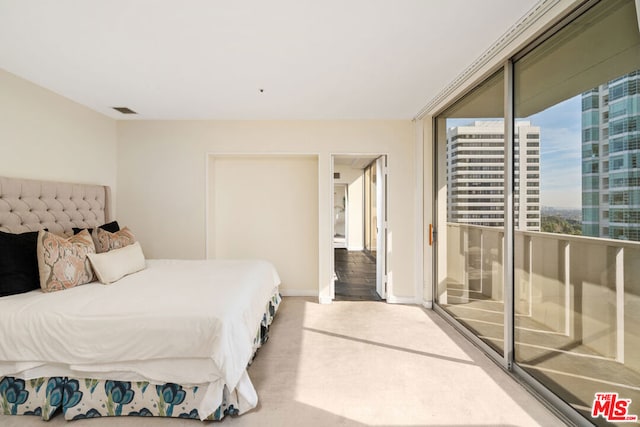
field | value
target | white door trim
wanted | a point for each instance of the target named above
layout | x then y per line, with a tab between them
380	207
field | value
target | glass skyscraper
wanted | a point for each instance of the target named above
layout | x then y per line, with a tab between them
611	159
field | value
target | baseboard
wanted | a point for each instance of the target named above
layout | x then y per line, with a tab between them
427	304
298	293
324	300
401	300
355	248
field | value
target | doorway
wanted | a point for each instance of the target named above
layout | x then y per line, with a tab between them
359	212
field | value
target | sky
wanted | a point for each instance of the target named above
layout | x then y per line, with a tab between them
560	152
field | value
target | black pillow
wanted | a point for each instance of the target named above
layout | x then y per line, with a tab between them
18	263
111	227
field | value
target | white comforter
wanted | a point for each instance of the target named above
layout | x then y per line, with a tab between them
187	322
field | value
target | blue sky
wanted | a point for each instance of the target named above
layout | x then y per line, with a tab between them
560	152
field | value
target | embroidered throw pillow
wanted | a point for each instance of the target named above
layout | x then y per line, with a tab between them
63	262
109	241
111	227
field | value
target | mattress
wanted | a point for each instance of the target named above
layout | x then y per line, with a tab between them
180	321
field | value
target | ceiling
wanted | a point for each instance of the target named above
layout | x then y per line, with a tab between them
354	161
251	59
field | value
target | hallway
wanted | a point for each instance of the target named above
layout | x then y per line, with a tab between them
356	276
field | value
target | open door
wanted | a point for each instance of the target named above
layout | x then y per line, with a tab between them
359	268
381	226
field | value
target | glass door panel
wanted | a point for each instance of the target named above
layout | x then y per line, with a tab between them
577	212
470	206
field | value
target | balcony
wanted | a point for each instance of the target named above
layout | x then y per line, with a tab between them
577	306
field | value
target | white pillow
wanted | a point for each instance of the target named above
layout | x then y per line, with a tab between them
115	264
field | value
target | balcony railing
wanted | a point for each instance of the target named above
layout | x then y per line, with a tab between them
586	289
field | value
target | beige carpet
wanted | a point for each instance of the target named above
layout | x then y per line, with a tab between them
365	364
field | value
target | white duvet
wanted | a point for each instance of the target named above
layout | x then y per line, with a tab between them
186	322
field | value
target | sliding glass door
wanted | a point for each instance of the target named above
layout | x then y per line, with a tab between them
470	221
538	220
577	288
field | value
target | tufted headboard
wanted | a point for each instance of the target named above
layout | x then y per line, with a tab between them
29	205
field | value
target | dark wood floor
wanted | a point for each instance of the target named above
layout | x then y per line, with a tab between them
356	276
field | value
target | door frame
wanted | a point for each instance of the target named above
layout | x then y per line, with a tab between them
383	281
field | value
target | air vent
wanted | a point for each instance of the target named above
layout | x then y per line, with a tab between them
336	175
124	110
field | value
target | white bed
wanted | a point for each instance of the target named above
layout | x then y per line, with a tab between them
178	325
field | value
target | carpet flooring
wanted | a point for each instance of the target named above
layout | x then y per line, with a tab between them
364	364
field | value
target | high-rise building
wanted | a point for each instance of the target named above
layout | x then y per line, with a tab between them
611	159
475	173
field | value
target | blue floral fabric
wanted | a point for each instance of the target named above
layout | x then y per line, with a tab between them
118	393
30	397
124	398
13	394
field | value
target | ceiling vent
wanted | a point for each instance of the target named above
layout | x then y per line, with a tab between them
124	110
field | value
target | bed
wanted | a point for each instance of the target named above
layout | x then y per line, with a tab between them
174	339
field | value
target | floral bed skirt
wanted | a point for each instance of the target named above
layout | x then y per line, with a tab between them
89	398
38	396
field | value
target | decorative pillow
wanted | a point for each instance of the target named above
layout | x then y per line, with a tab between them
117	263
111	227
18	263
110	241
63	262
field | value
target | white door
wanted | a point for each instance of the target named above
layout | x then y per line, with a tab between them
381	226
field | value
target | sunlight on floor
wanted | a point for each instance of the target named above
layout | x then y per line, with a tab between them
380	364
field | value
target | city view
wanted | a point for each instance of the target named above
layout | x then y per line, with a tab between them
557	296
576	166
576	214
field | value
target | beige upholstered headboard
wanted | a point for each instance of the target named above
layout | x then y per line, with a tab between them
30	205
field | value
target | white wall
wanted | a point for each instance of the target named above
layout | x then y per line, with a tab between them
162	177
266	208
46	136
